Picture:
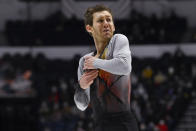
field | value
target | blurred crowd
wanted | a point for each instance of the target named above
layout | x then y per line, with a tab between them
15	76
161	90
56	29
167	28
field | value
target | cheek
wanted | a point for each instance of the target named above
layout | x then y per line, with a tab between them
99	28
113	28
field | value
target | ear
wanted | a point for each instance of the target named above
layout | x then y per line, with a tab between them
89	29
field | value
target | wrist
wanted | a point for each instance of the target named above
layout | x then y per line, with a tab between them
83	87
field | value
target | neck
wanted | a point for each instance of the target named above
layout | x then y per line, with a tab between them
100	46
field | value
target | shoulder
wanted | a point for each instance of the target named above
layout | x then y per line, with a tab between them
120	37
120	40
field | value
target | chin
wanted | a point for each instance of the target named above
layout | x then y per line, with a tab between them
108	36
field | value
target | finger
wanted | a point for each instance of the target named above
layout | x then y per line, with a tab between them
88	79
88	67
86	62
91	77
92	74
95	76
91	71
91	82
85	66
88	72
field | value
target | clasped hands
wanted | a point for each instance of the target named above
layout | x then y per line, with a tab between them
90	74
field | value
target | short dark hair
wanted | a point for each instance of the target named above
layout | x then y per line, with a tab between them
88	16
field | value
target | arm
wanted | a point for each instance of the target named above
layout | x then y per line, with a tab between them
120	64
81	96
82	93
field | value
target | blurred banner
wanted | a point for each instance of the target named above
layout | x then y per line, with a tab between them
120	8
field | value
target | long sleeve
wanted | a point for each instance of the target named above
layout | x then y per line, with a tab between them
120	64
81	96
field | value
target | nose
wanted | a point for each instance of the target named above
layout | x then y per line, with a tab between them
105	24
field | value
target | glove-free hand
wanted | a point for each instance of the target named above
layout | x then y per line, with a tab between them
88	63
87	78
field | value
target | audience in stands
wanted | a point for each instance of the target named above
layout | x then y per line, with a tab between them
161	89
15	78
58	30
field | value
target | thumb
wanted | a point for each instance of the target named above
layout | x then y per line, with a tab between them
91	82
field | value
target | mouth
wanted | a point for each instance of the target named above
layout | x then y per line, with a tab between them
106	31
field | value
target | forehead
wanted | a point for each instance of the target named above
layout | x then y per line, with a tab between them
101	14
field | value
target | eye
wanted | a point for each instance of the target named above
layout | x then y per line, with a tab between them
108	20
100	20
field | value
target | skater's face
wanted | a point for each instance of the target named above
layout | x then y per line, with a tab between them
103	25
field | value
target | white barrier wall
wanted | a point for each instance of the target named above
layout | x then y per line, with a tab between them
69	52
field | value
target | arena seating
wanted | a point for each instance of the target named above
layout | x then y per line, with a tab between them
161	90
59	30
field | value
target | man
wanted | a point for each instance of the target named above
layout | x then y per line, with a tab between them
104	75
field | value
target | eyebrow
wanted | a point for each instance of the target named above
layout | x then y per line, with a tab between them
104	16
108	16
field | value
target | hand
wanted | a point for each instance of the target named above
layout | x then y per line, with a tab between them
87	78
88	63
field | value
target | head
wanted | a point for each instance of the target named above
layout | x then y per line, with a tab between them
27	74
99	22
